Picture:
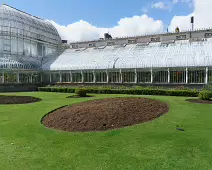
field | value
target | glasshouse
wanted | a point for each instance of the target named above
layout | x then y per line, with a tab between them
31	51
180	62
25	43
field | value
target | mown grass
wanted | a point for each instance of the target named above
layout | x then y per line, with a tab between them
26	144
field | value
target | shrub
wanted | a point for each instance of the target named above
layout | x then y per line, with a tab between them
81	92
181	88
131	91
205	95
209	86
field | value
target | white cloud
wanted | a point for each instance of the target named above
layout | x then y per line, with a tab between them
79	31
169	4
160	5
136	25
182	1
190	3
187	1
175	1
183	22
202	16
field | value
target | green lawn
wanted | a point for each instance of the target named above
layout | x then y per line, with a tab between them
26	144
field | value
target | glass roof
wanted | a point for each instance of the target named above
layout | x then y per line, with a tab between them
155	55
14	18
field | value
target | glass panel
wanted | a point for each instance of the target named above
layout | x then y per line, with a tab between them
25	77
36	77
76	77
101	77
88	77
1	78
114	77
178	76
27	47
14	45
210	75
128	77
144	76
160	76
196	75
55	77
65	77
10	77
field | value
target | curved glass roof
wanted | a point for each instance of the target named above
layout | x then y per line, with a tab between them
155	55
14	18
9	63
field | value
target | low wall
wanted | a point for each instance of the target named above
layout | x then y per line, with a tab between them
18	87
33	87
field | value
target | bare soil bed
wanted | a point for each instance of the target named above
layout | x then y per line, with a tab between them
199	101
105	114
17	99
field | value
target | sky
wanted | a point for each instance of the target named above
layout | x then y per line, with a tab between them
82	20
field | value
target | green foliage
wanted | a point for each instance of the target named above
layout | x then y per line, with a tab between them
132	91
81	92
57	89
205	95
187	93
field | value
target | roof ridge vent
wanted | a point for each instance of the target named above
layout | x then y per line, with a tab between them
21	11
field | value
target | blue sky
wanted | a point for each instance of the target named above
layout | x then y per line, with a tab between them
101	13
82	20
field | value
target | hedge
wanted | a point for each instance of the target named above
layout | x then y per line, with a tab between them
144	91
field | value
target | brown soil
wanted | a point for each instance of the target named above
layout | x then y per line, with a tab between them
75	96
106	114
17	99
200	101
